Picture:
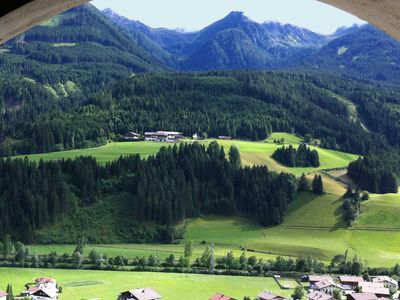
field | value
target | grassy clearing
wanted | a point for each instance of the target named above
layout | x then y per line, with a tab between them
107	285
64	44
381	211
253	153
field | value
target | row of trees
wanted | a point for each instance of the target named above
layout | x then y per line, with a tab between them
376	173
303	156
352	204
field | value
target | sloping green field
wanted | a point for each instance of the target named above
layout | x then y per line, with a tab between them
313	226
253	153
107	285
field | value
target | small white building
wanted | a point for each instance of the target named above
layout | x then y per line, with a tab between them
387	282
3	295
163	136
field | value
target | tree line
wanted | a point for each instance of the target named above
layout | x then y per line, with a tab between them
376	173
303	156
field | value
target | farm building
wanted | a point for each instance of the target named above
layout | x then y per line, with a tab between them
269	296
131	136
317	295
46	283
140	294
163	136
328	286
223	137
350	282
387	282
313	279
219	296
36	293
3	295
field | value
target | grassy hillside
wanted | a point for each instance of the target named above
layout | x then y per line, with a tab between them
107	285
380	212
313	226
253	153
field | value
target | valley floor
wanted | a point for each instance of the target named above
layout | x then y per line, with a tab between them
78	284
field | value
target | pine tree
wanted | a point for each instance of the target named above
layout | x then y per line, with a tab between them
7	246
10	293
304	184
317	185
189	249
234	157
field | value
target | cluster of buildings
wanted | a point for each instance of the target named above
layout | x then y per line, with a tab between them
353	287
261	296
157	136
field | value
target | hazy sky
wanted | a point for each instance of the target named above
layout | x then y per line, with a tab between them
196	14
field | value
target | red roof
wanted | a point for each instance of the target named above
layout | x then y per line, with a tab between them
3	294
45	280
219	296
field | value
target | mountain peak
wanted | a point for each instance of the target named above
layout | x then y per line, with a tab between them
236	16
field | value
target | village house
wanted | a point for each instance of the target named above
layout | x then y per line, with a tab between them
328	286
387	282
313	279
362	296
317	295
36	293
163	136
44	289
269	296
47	283
219	296
381	292
350	282
140	294
131	136
3	295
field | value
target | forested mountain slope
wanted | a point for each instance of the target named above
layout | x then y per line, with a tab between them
247	105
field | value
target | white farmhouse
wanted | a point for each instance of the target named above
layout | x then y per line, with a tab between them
387	282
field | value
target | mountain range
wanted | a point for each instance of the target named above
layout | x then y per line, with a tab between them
84	38
237	42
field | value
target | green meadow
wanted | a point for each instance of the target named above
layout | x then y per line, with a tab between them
78	284
313	226
252	153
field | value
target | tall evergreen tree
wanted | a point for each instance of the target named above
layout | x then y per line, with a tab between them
317	185
234	157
